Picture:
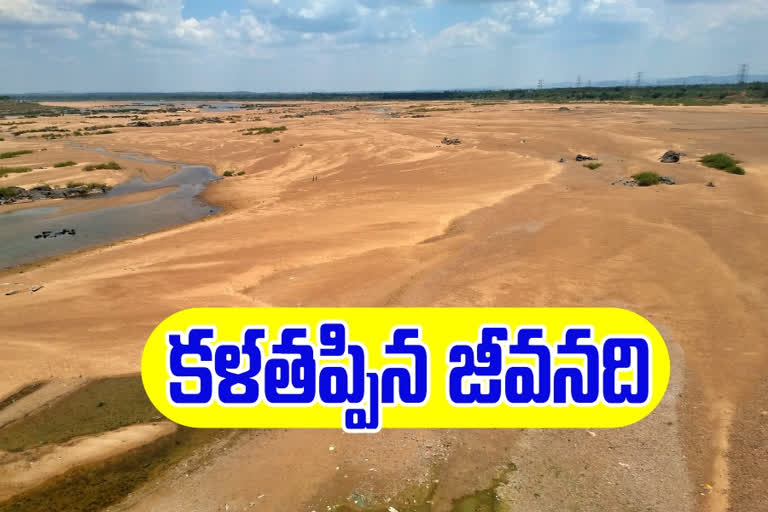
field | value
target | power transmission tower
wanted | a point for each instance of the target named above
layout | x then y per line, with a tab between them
639	79
743	72
541	84
578	81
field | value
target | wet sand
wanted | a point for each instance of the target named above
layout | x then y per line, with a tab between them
397	219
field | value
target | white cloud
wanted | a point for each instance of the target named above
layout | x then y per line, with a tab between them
36	13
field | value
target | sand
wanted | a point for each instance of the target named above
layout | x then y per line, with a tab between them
397	219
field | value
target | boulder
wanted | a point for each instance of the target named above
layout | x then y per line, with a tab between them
670	157
582	158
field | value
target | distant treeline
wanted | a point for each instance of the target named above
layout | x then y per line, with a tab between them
756	92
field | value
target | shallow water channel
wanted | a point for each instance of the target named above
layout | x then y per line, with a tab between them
179	205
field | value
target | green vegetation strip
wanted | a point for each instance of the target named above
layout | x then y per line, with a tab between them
99	406
68	163
95	487
4	171
26	390
111	165
11	154
262	130
593	165
89	186
722	162
646	179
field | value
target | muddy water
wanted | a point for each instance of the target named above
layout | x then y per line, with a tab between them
180	205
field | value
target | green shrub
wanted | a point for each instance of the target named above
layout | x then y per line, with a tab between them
68	163
646	179
275	140
111	165
11	154
228	173
8	192
593	165
240	173
75	184
722	162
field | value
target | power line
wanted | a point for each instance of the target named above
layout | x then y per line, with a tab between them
639	79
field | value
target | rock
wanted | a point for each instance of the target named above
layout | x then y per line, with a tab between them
582	158
670	157
710	184
564	109
627	182
35	288
12	292
449	142
562	160
667	180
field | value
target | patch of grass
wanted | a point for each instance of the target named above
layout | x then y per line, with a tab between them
593	165
1	139
89	186
722	162
11	154
111	165
240	173
8	192
228	173
99	406
263	130
646	179
68	163
4	171
275	140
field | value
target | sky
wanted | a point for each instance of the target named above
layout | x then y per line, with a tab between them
368	45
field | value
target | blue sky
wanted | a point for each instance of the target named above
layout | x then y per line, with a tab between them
347	45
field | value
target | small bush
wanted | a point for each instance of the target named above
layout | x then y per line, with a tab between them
111	165
275	140
228	173
75	184
11	154
646	179
1	139
593	165
240	173
722	162
68	163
